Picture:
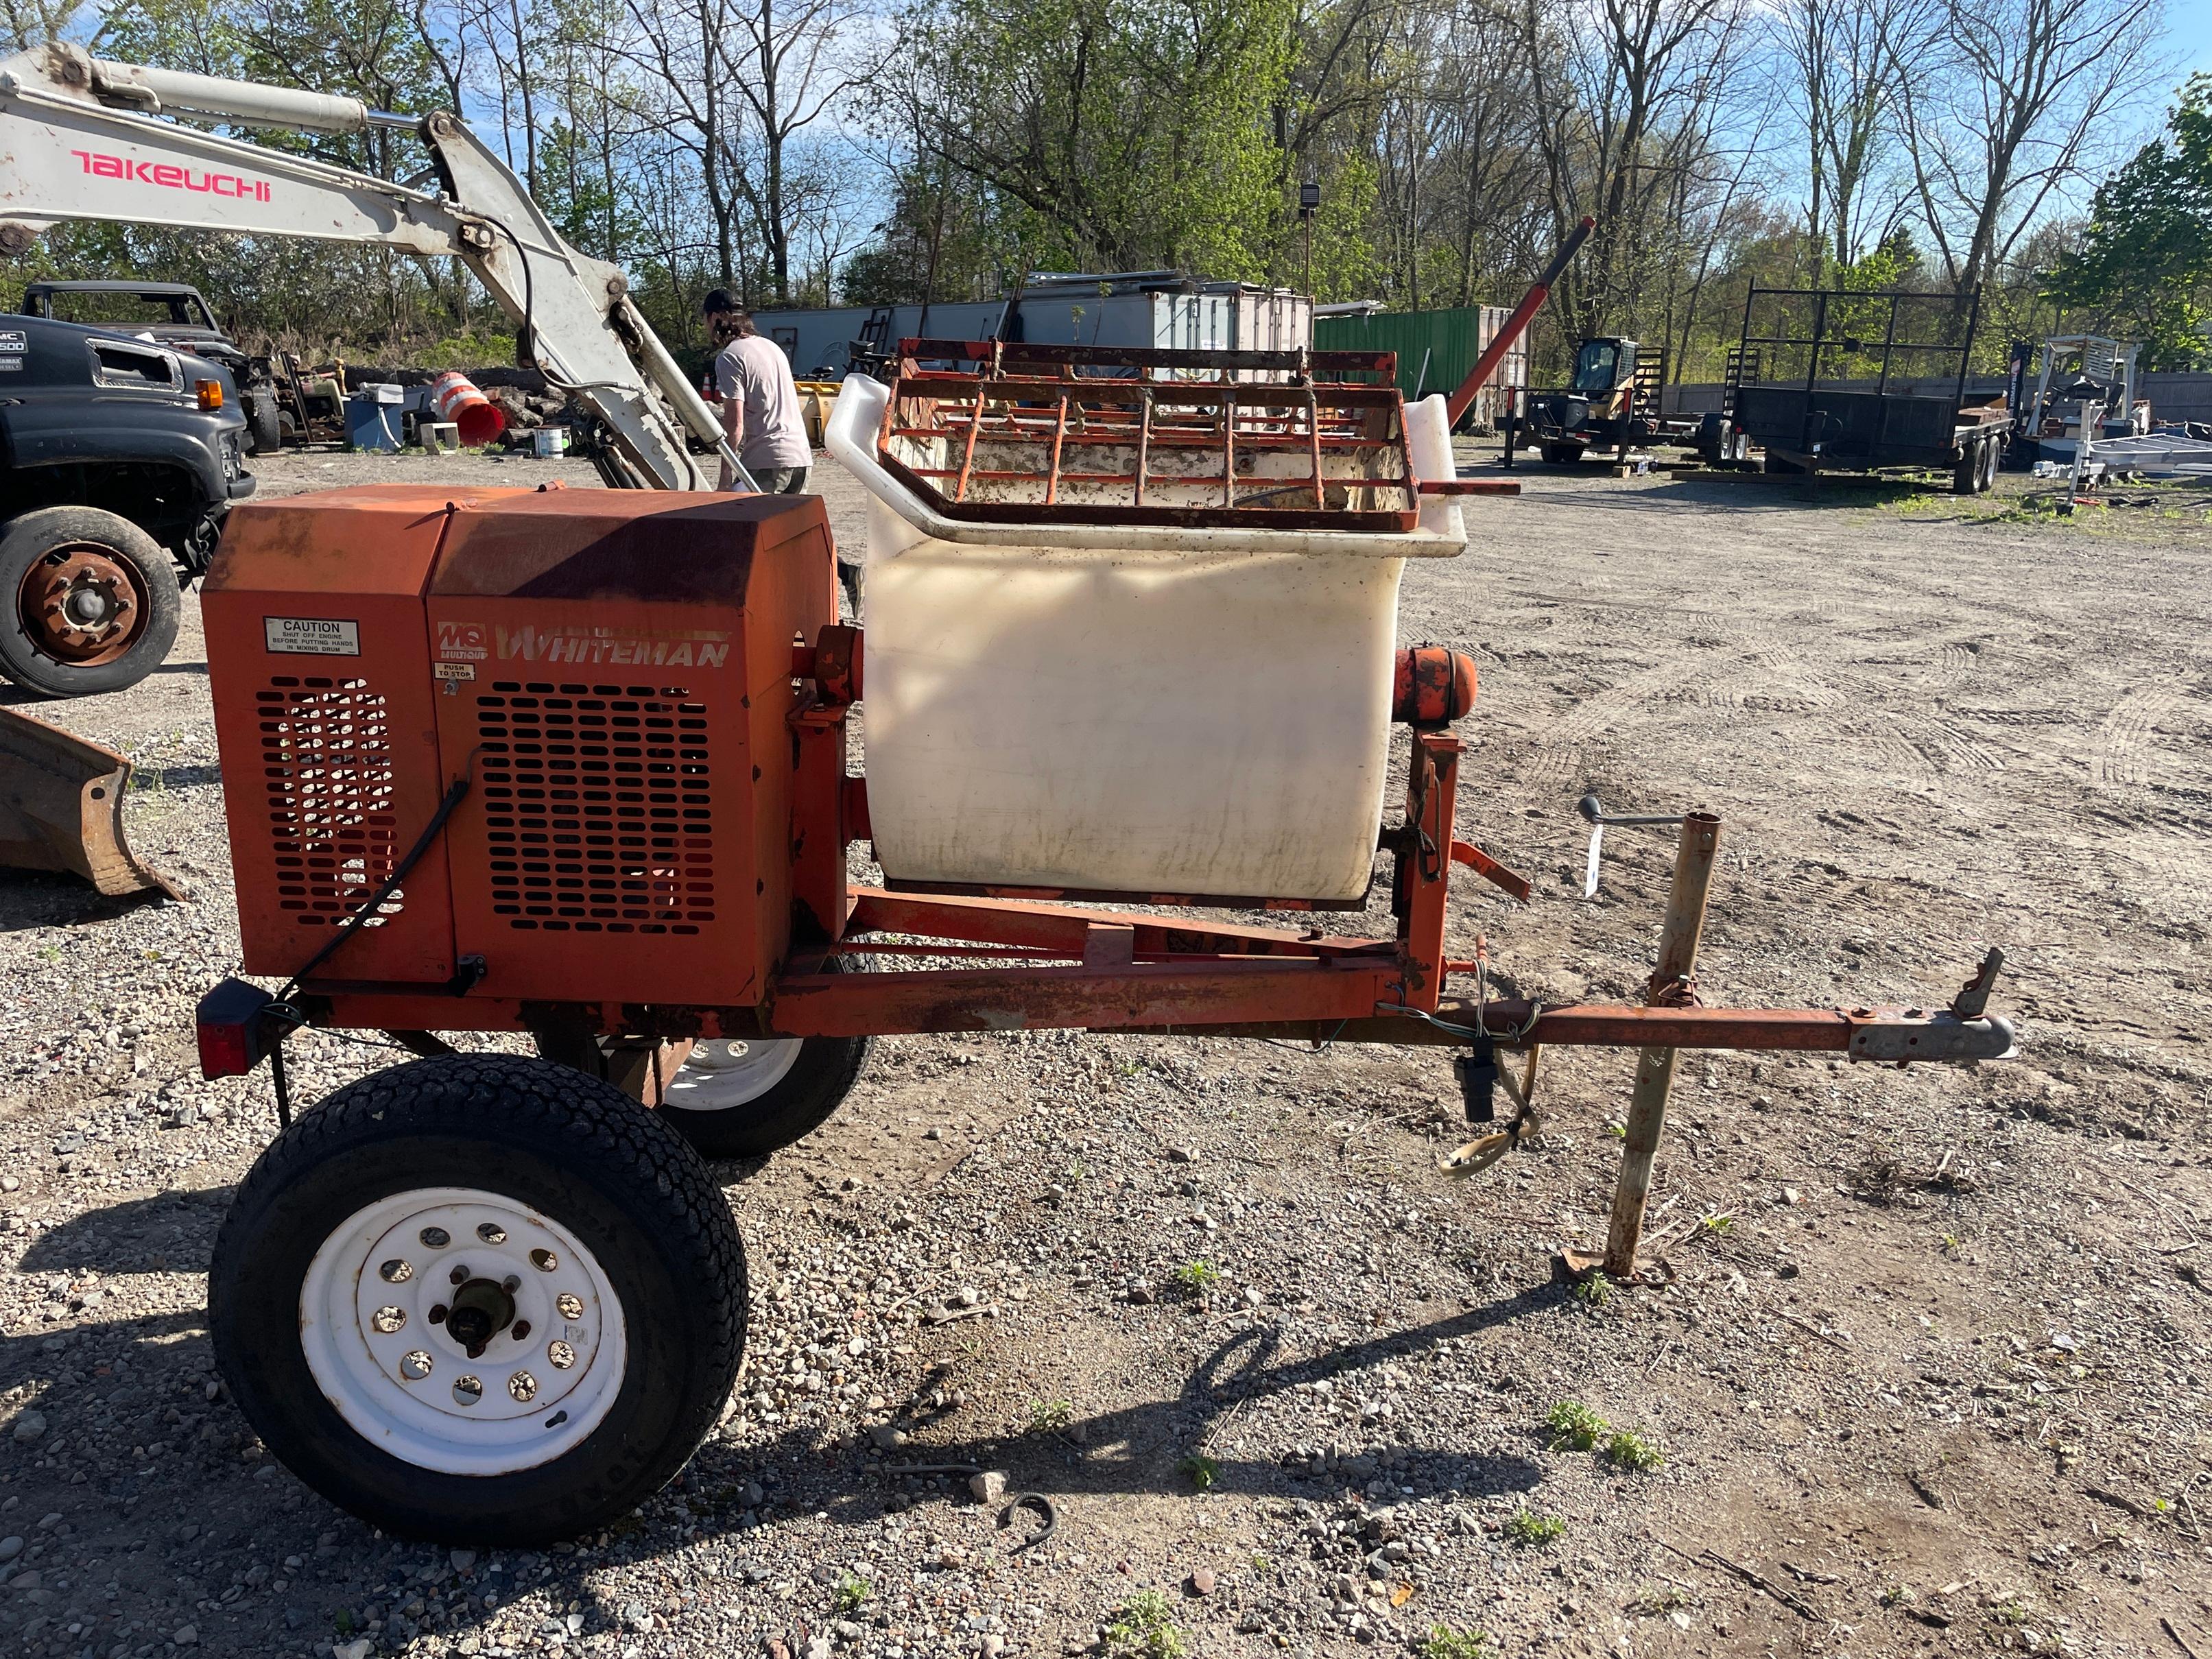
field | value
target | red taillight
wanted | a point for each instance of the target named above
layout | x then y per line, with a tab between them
210	393
234	1029
225	1050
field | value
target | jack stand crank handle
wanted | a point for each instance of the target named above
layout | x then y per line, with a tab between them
1973	999
1594	809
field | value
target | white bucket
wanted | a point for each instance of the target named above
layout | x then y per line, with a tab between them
548	441
1129	710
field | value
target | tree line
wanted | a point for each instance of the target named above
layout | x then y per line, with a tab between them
806	152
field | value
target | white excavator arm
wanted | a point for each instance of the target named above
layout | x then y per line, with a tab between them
81	139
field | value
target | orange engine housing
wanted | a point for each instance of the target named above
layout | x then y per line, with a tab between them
612	671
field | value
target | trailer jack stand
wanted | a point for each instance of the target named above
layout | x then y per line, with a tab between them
1673	981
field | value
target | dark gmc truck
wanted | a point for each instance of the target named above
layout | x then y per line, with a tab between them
118	458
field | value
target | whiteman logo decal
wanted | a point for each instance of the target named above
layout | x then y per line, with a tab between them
583	646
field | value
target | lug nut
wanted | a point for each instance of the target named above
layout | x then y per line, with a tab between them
520	1330
437	1314
510	1284
458	1276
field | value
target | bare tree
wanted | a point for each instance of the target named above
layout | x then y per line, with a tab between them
680	45
1623	91
1851	61
2031	89
791	64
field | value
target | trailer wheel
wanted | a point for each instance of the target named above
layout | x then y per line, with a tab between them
1966	474
1992	457
479	1299
747	1098
1562	454
92	602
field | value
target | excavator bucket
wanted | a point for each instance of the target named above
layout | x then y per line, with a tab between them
61	808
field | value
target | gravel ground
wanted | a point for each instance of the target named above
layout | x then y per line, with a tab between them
1930	1375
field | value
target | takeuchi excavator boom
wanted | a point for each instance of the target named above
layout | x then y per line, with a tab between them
84	138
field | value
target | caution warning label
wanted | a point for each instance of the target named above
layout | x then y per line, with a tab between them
312	636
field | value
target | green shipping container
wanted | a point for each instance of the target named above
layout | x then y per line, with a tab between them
1446	342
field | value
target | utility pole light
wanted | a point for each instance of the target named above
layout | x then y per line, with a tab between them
1308	204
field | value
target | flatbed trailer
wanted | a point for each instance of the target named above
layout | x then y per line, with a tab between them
1827	386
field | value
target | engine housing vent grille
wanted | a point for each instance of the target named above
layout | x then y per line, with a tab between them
598	808
327	780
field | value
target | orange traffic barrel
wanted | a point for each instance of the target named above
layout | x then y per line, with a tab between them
455	397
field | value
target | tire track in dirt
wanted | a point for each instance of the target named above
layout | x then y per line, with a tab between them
2127	747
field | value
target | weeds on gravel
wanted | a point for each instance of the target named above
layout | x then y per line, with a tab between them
1197	1275
1716	1223
1201	1470
1144	1627
1665	1598
1442	1642
853	1593
1050	1416
1574	1426
1532	1531
1594	1291
1628	1449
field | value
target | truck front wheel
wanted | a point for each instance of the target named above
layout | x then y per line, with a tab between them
92	602
264	422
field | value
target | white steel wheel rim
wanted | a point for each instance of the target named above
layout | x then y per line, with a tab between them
401	1379
720	1073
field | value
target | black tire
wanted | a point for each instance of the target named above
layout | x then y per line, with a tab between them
1991	456
558	1145
1562	454
1967	472
32	655
793	1107
264	423
798	1104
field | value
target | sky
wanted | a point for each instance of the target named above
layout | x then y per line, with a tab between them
2190	26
